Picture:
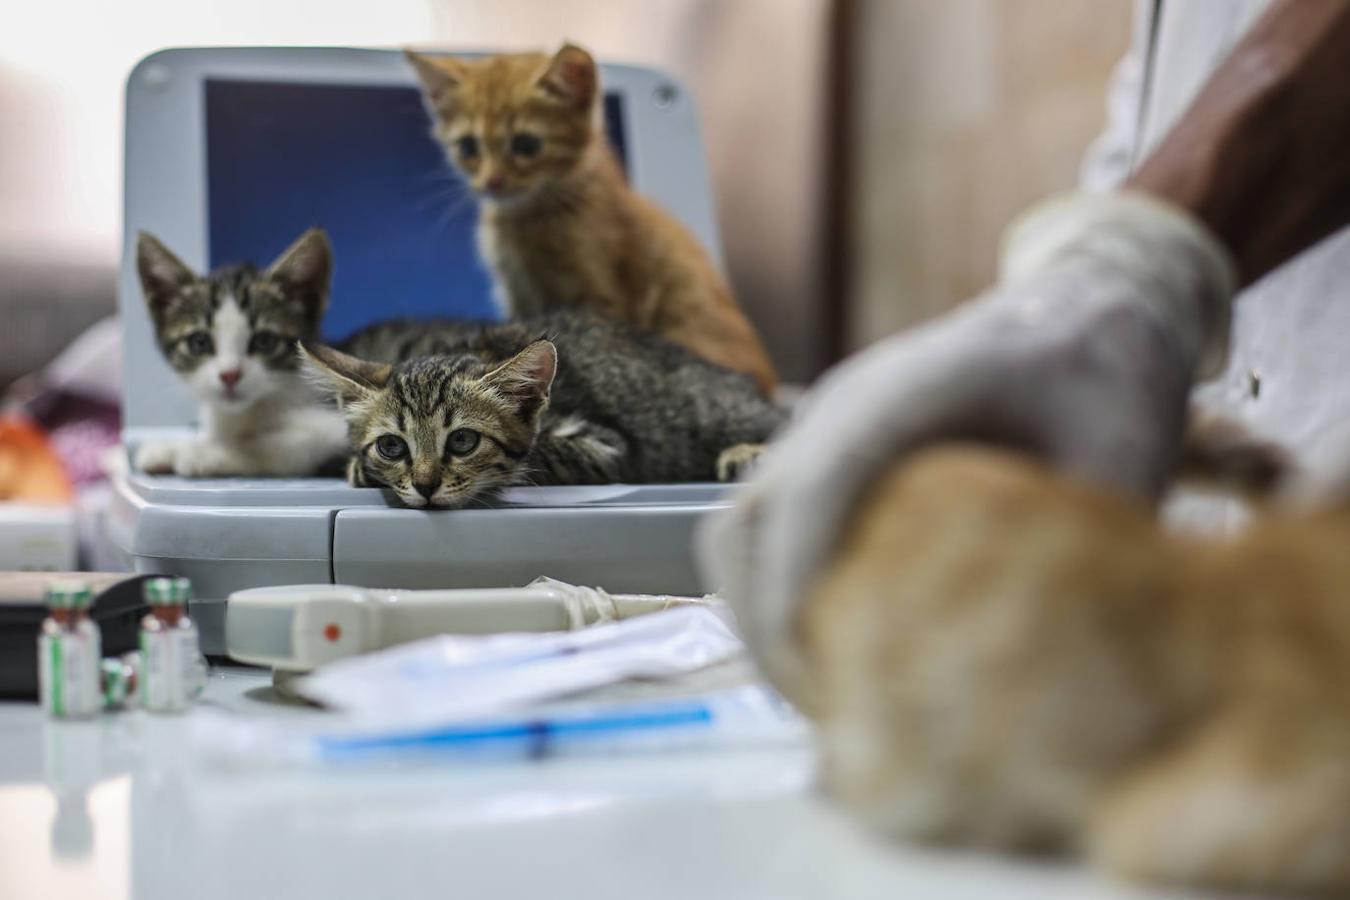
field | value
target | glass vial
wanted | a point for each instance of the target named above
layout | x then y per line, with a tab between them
172	670
69	650
120	677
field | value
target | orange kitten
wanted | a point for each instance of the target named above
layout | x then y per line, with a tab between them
1006	658
559	224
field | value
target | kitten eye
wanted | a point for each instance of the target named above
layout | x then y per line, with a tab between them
462	441
200	343
391	446
264	343
526	144
467	146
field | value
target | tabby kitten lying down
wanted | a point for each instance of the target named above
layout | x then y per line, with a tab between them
445	413
231	337
1003	657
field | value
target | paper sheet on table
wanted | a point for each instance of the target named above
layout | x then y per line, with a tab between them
454	677
517	696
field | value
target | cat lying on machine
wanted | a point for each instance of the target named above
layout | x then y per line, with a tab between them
1003	657
444	414
559	226
231	337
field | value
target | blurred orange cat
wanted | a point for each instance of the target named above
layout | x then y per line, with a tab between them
1003	657
559	224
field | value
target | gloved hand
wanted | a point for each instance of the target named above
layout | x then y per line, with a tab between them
1084	356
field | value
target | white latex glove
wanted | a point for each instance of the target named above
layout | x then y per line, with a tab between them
1084	356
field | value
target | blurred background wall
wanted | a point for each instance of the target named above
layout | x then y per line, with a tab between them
865	153
62	70
964	112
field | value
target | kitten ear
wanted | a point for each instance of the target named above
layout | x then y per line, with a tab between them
305	270
162	274
440	76
525	378
351	379
572	77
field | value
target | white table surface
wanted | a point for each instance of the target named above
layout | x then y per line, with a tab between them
116	808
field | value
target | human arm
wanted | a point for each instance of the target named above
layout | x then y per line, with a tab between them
1084	355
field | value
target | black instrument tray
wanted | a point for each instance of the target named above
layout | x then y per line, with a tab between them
118	609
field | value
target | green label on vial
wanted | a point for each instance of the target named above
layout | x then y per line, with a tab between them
144	682
58	678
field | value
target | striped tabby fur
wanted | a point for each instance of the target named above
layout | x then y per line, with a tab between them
444	413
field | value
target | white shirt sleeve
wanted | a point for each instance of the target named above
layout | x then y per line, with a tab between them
1111	157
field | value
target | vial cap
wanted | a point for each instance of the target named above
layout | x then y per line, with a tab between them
168	591
68	594
117	676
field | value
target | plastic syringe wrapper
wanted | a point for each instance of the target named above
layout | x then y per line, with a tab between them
497	695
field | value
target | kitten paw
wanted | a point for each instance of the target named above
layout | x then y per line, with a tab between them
208	461
577	451
736	462
156	458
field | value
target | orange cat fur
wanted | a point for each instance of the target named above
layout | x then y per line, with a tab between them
559	223
1003	657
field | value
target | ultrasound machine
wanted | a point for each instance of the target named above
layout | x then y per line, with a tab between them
233	152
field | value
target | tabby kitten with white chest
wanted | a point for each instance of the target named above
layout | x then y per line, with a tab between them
231	337
446	413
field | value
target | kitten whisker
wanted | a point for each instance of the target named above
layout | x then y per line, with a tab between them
478	501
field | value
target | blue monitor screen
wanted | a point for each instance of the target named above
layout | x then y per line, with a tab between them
360	162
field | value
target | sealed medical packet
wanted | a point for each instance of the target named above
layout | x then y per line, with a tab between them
514	696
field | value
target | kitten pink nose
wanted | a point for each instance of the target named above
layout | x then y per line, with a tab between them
231	377
494	183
